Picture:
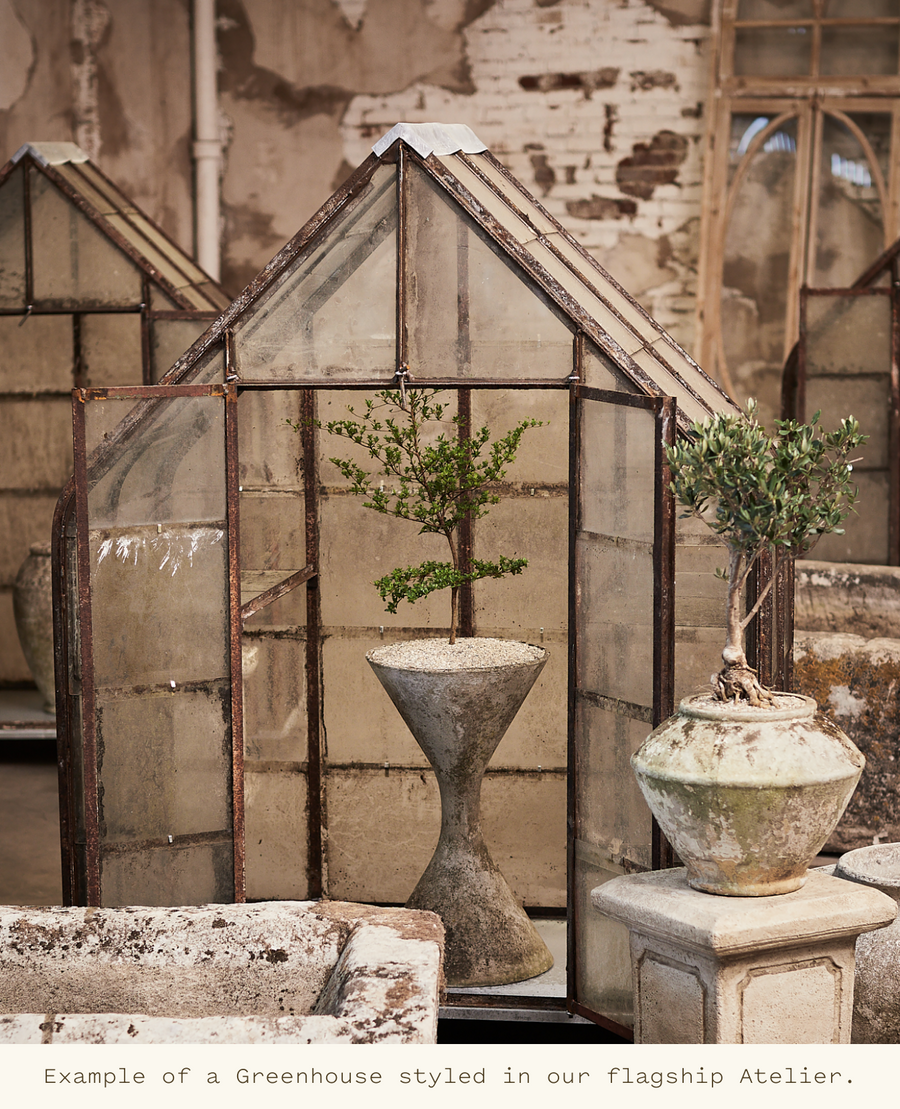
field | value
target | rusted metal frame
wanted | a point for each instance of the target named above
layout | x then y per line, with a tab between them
760	646
64	723
337	384
103	310
402	334
662	854
288	585
27	219
663	411
122	207
458	999
146	368
182	314
590	261
88	695
894	432
884	261
315	864
112	233
151	402
573	752
545	283
783	677
232	495
464	412
77	352
115	198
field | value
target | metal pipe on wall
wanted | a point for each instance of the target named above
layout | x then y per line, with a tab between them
207	140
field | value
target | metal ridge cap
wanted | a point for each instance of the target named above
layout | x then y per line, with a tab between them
432	138
51	153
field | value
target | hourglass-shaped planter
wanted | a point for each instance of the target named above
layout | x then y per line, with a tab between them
458	702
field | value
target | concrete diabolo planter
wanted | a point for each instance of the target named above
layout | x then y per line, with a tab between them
747	796
876	991
458	703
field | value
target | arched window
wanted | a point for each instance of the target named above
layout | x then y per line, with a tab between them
800	187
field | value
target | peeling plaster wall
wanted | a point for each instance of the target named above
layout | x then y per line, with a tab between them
596	105
113	76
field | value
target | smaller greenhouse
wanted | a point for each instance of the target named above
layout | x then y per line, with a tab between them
92	294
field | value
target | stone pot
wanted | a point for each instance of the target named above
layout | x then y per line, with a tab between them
458	703
33	610
747	796
876	990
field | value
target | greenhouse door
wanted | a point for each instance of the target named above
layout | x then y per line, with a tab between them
621	629
160	815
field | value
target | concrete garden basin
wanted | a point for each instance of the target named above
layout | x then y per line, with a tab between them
273	972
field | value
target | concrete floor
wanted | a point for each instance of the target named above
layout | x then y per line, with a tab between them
29	823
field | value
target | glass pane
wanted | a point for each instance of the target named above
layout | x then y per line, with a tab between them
176	779
615	619
270	451
12	241
275	699
602	948
859	50
74	263
860	9
772	51
757	261
618	479
470	313
160	604
191	875
36	442
848	335
333	314
111	349
776	9
36	354
614	681
848	368
849	226
159	581
169	339
171	471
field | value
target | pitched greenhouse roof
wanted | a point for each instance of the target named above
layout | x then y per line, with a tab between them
533	243
122	222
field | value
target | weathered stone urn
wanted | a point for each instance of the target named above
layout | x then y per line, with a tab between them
876	991
458	701
33	611
747	796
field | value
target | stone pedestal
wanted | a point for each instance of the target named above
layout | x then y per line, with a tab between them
729	970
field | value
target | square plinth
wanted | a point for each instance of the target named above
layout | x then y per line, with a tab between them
713	969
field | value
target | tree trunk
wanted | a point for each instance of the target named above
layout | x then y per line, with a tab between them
737	680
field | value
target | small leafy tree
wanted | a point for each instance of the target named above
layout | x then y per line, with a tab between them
778	493
435	483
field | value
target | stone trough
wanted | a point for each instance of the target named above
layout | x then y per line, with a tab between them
273	972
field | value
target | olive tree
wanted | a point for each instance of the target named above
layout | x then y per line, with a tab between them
759	493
